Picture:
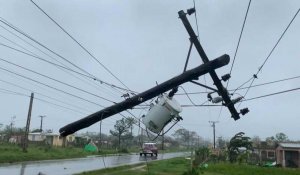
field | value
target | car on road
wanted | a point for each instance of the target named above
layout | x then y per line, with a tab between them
149	149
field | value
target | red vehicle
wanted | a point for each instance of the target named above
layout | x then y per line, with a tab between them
149	148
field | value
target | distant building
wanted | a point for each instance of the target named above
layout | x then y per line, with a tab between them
288	154
265	152
36	136
57	140
50	138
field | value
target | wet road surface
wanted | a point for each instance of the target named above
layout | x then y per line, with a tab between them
71	166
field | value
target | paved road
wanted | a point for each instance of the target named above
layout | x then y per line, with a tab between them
71	166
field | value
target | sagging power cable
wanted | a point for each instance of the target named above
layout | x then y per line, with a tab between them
55	53
270	53
89	53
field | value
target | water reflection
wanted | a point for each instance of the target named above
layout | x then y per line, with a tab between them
22	169
72	166
147	158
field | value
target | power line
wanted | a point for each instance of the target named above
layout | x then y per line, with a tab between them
66	68
278	41
35	56
34	40
236	50
201	105
62	83
240	87
79	44
272	50
196	17
56	80
256	85
275	93
51	87
6	91
271	82
12	92
35	92
42	100
238	44
187	95
45	101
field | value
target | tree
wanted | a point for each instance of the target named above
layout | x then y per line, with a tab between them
236	144
270	140
130	122
256	141
281	137
186	137
181	135
221	143
121	128
36	130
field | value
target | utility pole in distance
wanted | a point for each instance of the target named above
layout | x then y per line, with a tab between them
12	122
213	124
41	126
25	143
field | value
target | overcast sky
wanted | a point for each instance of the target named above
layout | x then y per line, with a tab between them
144	42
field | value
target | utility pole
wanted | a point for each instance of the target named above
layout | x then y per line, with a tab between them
25	143
163	140
12	122
100	137
146	95
213	124
141	134
221	90
41	126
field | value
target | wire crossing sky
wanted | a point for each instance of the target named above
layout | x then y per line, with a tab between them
142	44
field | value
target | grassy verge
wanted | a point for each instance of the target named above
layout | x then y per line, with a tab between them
12	153
177	166
174	166
235	169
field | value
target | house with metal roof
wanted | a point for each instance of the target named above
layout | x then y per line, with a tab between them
288	154
265	152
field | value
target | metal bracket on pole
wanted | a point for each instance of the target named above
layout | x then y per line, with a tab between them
221	89
146	95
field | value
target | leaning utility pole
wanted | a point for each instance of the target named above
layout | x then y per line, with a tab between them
41	126
146	95
25	143
214	131
187	76
222	91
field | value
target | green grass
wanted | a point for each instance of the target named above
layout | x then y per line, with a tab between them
174	166
235	169
10	153
177	166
